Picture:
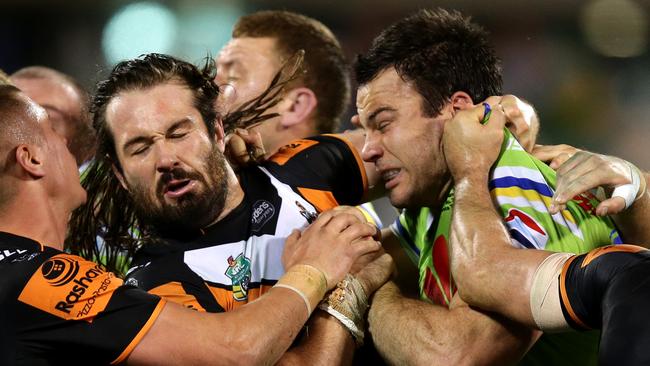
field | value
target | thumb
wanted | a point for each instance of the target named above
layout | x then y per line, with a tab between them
610	206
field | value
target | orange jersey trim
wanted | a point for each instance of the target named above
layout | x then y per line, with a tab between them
322	200
357	157
291	149
174	292
138	337
227	301
565	296
624	248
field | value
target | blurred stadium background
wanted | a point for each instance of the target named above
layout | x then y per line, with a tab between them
584	65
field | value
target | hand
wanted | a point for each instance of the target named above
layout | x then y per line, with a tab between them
332	244
470	147
585	171
373	270
358	213
554	155
521	119
244	148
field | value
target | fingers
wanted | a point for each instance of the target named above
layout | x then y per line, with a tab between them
610	206
254	144
496	119
365	246
350	210
555	154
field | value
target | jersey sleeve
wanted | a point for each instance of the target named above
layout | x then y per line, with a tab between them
171	279
523	187
72	311
324	169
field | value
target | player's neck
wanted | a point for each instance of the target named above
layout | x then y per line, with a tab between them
441	197
36	217
234	198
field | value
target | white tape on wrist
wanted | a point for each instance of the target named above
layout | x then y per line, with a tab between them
629	191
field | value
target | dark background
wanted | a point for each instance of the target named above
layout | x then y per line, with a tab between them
584	65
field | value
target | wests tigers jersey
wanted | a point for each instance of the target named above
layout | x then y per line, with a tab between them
238	258
60	309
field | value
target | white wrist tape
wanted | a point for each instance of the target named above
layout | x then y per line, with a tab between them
628	192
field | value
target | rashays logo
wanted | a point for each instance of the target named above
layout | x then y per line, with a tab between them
70	287
262	213
79	289
59	271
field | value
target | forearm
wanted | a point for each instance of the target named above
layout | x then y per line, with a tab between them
325	342
412	332
489	271
634	223
256	334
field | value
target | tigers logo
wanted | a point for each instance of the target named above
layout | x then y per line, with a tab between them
59	271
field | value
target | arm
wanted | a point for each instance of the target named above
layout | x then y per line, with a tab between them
407	272
261	331
579	171
489	272
411	332
325	342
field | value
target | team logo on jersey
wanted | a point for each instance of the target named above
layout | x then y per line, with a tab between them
70	287
239	272
309	216
525	230
59	271
263	211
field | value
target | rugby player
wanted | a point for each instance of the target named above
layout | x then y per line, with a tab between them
417	75
66	102
207	238
313	103
606	288
58	308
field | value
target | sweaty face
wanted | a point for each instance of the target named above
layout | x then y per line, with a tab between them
248	65
401	141
59	99
175	173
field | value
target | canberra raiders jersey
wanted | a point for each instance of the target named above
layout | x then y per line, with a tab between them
238	258
522	188
60	309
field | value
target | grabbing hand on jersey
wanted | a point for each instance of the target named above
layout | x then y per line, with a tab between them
579	171
521	118
470	147
332	244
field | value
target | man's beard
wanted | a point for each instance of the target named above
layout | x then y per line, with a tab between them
193	210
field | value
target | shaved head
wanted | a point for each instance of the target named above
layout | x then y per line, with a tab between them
66	102
19	118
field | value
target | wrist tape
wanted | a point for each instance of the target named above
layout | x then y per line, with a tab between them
307	281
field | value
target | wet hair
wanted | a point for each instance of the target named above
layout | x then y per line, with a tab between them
440	52
327	71
82	143
109	210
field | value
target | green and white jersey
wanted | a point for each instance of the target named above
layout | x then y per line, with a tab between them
522	188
